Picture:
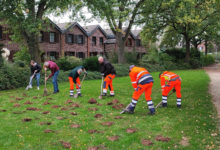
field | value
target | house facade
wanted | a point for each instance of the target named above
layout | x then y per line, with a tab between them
71	39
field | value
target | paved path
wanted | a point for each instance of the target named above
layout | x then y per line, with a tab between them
214	87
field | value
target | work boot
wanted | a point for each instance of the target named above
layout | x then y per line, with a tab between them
129	109
164	104
104	94
112	93
38	88
79	94
152	111
178	106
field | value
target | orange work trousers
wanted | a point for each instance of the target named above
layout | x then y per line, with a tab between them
108	82
173	84
72	83
147	88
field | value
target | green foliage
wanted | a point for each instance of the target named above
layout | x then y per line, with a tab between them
131	57
22	55
91	63
1	59
207	60
68	62
113	57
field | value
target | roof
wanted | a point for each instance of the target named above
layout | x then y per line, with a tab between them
92	28
110	41
64	26
109	33
68	25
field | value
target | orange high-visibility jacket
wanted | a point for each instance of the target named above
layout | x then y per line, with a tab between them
166	77
135	74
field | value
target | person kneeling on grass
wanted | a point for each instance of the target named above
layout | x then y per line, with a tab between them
108	72
74	78
170	80
141	81
54	73
35	73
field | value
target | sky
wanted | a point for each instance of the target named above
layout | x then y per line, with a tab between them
66	18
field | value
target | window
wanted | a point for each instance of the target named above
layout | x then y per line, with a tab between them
80	55
69	53
41	37
101	41
93	40
70	38
80	39
53	55
138	42
1	32
52	37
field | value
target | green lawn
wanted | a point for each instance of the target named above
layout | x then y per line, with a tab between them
195	122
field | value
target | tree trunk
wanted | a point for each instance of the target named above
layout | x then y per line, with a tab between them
121	47
206	47
187	58
33	48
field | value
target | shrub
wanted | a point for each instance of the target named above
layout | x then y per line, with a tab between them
207	60
131	57
112	57
22	55
91	63
68	62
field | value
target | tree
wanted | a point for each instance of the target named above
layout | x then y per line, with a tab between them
118	14
189	18
26	18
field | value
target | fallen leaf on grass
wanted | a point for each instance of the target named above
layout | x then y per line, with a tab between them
65	144
73	113
92	101
184	141
28	103
16	105
98	116
146	142
93	109
27	120
107	124
130	130
75	126
162	138
113	138
48	131
46	112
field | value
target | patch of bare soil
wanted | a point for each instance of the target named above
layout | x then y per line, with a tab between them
33	109
19	98
48	131
107	124
162	138
131	130
16	105
75	105
28	103
26	119
68	101
146	142
113	138
73	113
46	103
185	141
92	101
98	116
66	144
55	106
45	123
119	106
74	126
46	112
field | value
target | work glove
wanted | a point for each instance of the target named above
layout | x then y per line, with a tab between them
174	90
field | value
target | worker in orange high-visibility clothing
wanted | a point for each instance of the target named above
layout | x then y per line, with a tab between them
170	80
141	81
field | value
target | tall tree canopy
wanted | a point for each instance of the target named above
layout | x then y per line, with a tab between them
26	18
189	18
120	15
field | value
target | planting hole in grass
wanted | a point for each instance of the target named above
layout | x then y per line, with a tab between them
92	101
118	117
131	130
75	126
26	119
28	103
45	123
73	113
48	131
19	98
119	106
75	105
55	106
46	112
66	144
162	138
68	101
98	116
146	142
113	138
93	109
16	105
46	103
107	124
92	131
33	109
35	97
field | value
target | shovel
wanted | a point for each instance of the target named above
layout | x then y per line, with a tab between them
45	85
30	81
100	97
162	101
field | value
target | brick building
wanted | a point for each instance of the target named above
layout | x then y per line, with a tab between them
71	39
